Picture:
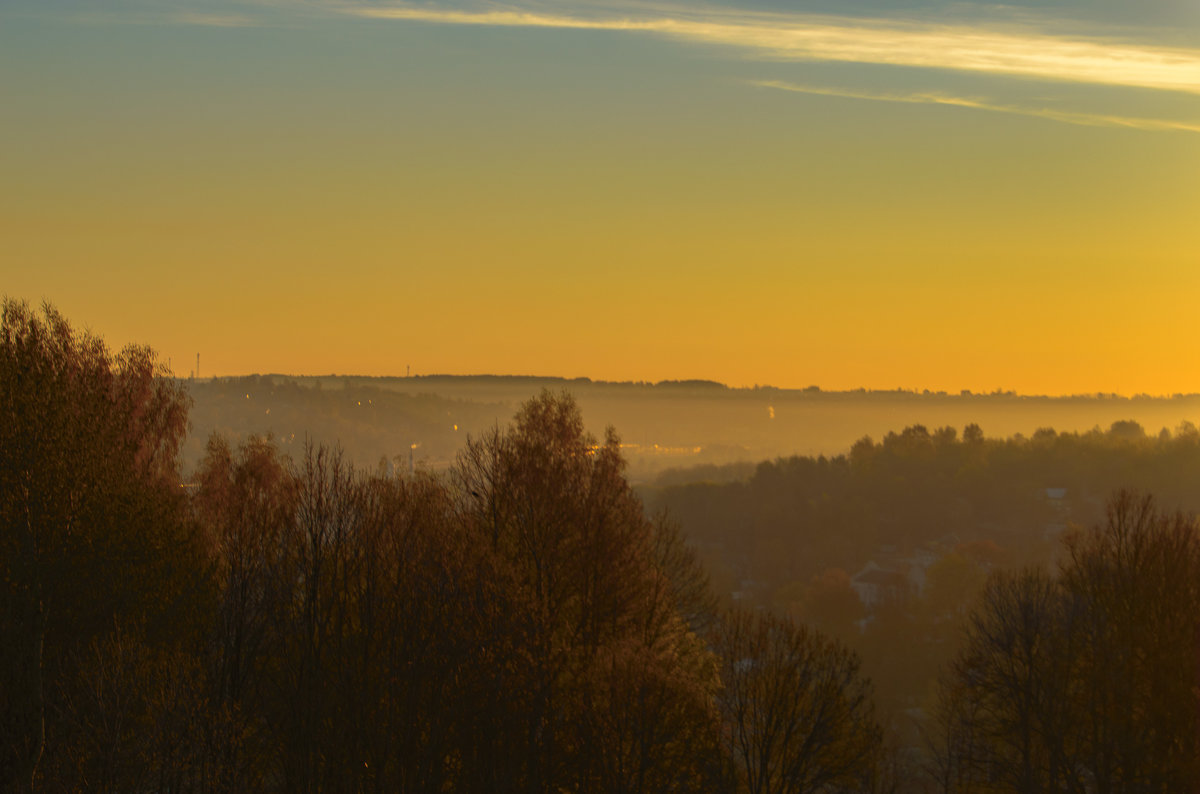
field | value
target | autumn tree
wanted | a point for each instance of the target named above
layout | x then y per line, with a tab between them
828	603
611	662
798	714
650	709
92	527
1086	681
1014	680
1137	579
354	620
135	716
432	640
246	503
520	626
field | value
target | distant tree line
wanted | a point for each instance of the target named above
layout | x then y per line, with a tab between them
794	518
367	420
792	534
296	624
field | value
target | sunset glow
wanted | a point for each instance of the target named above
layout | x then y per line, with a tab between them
963	196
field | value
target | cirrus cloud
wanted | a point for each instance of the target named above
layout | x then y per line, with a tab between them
796	37
931	98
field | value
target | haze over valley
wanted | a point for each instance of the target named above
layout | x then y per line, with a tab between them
667	425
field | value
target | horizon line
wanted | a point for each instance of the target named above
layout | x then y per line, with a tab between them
708	383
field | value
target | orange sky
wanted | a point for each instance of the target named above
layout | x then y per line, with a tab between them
751	196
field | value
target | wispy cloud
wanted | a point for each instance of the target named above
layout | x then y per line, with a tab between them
807	38
927	98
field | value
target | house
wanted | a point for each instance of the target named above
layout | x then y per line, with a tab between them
875	585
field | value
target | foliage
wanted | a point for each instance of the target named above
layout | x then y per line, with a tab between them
616	689
798	517
92	523
1086	681
520	624
799	715
937	508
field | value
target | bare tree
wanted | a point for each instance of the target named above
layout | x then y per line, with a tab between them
1138	580
1086	682
1005	710
799	716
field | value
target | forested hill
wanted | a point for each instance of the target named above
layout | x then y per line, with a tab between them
887	546
663	425
793	518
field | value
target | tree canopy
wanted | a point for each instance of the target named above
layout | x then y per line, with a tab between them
92	523
1084	681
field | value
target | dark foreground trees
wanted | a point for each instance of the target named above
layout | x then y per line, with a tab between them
1088	681
522	627
87	474
614	688
296	625
798	715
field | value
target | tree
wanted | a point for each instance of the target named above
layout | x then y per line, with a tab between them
1137	580
598	603
1087	681
519	626
799	717
1009	718
92	525
830	604
245	504
358	629
650	705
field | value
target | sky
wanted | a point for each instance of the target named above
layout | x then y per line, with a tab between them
842	193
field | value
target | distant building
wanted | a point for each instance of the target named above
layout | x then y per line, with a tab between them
875	585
